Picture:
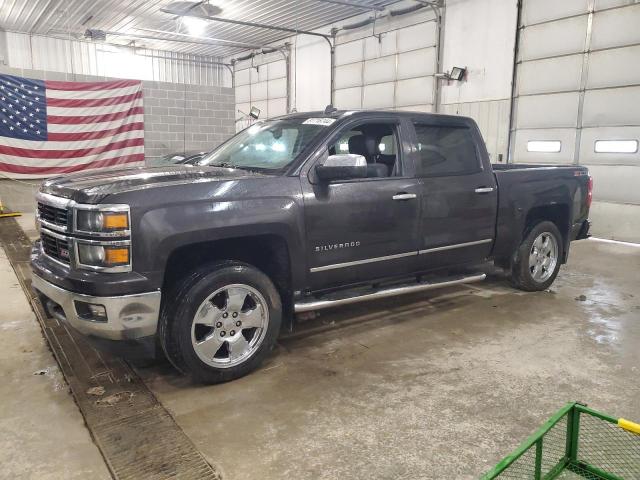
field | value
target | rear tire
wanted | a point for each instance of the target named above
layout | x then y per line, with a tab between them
537	260
220	322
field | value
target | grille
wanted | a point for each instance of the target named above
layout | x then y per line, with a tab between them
54	215
55	247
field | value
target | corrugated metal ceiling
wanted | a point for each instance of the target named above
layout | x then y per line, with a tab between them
72	17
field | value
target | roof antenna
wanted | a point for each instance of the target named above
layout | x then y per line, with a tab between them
330	109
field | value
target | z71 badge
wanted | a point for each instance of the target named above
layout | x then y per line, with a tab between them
336	246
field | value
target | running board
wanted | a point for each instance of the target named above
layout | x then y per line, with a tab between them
318	304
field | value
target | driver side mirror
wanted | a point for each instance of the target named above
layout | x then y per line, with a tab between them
344	166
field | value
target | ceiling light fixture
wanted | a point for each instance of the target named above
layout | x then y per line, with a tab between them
195	26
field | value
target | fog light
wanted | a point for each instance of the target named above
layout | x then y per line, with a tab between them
91	311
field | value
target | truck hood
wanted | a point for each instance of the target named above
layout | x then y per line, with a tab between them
94	187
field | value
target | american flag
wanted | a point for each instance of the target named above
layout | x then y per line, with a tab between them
50	128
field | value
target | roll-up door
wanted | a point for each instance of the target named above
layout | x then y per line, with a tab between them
388	64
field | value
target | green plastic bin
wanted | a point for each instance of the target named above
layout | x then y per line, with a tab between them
576	443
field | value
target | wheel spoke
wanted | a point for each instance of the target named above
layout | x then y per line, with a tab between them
538	243
238	347
235	298
208	315
209	346
252	318
532	259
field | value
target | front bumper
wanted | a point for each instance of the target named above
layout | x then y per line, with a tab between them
128	316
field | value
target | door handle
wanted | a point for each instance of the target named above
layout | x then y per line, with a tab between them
404	196
484	190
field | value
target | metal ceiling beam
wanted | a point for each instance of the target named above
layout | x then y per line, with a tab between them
255	24
347	3
220	41
177	40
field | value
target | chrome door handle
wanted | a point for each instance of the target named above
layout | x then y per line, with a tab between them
404	196
484	190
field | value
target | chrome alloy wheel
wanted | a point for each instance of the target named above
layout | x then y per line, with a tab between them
543	257
230	325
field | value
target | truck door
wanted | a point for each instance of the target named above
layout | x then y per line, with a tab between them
362	229
458	193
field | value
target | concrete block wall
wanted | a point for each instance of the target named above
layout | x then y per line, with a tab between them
178	117
181	117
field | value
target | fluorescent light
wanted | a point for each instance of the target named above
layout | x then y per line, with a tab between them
261	147
544	146
381	147
195	25
616	146
344	147
278	147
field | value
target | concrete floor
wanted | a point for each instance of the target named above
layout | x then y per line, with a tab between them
437	385
43	433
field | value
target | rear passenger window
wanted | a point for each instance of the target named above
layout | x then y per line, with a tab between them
445	150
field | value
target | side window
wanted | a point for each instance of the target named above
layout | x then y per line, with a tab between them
445	150
376	142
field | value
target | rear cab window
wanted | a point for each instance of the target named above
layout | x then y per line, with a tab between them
445	150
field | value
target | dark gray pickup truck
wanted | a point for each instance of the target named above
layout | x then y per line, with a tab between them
295	214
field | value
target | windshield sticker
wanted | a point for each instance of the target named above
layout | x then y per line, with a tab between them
319	121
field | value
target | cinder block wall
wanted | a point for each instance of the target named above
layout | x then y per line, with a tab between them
177	117
181	117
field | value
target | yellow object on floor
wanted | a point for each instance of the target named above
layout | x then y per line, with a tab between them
8	214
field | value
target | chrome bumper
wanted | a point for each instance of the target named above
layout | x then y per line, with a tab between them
128	316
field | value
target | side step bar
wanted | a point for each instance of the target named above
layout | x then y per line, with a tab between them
318	304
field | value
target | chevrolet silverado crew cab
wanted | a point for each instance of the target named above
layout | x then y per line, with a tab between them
295	214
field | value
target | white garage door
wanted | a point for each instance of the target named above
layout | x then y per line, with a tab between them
387	65
261	82
578	91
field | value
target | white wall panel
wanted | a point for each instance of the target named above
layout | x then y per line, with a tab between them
349	52
417	36
380	46
613	28
614	67
349	75
414	91
277	107
544	10
602	4
277	88
380	70
567	137
550	75
259	91
259	74
612	183
417	63
349	98
378	96
555	38
243	94
612	106
548	111
243	77
277	70
589	136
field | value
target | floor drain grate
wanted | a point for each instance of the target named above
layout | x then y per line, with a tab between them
136	435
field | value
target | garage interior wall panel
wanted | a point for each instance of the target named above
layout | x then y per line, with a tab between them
76	57
578	81
260	82
387	66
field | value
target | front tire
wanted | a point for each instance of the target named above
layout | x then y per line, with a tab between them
221	322
537	261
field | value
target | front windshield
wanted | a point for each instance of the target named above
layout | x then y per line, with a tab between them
269	145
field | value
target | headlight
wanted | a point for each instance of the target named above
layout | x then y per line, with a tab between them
103	221
104	256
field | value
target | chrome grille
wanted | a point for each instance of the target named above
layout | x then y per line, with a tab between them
53	215
54	247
